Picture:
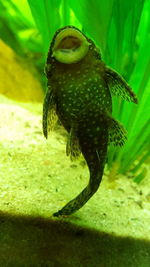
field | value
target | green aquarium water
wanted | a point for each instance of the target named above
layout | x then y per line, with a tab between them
91	61
121	31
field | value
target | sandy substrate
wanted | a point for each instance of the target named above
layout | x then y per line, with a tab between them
37	179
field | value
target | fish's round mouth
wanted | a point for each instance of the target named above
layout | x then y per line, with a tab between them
69	43
70	46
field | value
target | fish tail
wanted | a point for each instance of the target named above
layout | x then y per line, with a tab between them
95	159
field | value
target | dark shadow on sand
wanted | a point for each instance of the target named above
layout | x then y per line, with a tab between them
33	241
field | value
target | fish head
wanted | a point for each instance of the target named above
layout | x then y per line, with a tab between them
69	45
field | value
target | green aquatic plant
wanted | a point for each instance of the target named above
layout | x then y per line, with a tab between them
18	30
121	29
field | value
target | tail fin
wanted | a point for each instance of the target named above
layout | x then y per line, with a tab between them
96	162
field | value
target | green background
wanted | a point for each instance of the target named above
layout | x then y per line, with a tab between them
121	29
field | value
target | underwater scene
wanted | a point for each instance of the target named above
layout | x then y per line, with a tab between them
75	133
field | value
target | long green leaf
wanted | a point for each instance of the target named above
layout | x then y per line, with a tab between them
47	18
95	17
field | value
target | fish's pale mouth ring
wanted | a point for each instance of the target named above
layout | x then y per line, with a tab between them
69	42
70	46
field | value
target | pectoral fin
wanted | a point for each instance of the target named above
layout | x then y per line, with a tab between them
49	112
118	86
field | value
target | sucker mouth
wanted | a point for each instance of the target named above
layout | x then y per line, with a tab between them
69	42
70	46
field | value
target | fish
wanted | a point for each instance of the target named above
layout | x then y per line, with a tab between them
79	94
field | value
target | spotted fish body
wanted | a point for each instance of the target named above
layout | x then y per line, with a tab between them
79	94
